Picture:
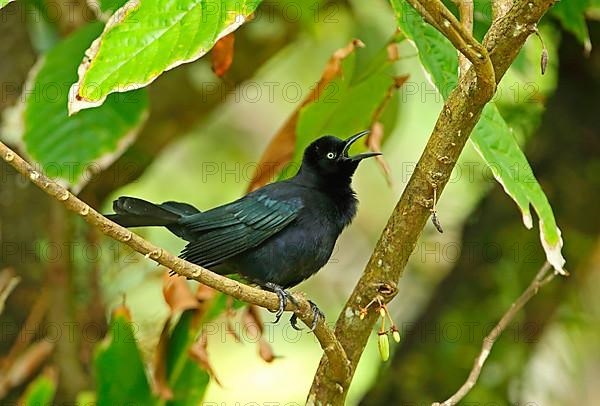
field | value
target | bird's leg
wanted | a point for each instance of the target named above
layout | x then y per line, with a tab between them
317	314
283	298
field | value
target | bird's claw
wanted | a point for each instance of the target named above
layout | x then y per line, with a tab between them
294	322
283	298
317	315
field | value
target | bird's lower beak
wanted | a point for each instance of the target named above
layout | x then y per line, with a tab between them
351	141
359	157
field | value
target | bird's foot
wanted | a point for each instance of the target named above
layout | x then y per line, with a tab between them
284	296
317	314
172	274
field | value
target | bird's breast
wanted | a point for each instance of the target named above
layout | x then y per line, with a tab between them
293	255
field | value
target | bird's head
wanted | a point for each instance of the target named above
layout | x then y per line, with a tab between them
329	158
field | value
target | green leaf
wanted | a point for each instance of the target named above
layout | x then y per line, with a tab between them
105	8
42	390
72	148
120	373
571	14
186	378
145	38
492	137
494	141
42	25
436	53
347	104
5	2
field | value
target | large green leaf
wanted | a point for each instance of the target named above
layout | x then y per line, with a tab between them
41	391
436	53
348	104
571	14
186	378
492	137
145	38
72	148
5	2
105	8
120	373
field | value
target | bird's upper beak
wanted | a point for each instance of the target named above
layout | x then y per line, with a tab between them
351	141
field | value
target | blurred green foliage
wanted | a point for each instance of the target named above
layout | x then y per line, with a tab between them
208	167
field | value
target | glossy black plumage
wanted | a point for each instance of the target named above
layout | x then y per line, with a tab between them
276	236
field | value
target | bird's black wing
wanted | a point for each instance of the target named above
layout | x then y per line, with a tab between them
226	231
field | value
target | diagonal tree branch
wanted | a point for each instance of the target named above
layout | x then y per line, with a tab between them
459	115
436	14
331	347
500	8
541	279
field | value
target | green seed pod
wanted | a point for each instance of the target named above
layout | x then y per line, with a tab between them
384	346
396	336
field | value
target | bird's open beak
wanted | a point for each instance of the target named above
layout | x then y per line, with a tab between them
351	141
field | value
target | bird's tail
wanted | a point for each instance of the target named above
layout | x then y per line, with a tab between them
134	212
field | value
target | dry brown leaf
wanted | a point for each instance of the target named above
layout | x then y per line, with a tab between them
178	294
230	329
25	366
8	281
221	55
205	293
205	296
252	319
198	352
265	350
375	138
281	148
374	144
35	317
252	316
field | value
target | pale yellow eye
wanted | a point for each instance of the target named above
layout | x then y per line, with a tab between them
330	155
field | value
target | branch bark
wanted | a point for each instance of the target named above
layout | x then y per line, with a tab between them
330	345
436	14
500	8
459	115
542	278
465	9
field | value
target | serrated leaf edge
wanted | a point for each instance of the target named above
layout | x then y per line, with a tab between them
101	162
78	103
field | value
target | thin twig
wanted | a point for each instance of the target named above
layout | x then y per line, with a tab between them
329	343
436	14
465	9
541	279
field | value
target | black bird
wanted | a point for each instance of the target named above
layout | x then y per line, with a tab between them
276	236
